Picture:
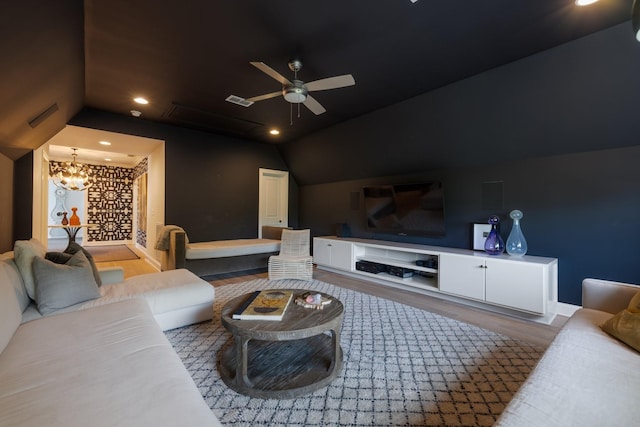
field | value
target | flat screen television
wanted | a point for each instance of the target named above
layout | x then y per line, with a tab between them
405	209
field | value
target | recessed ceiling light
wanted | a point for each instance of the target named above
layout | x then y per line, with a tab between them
107	159
136	113
104	143
141	100
585	2
274	132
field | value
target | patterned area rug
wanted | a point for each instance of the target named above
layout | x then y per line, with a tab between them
111	253
402	366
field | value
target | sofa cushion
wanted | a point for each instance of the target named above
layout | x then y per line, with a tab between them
24	252
108	366
585	378
11	274
10	312
73	248
61	285
176	297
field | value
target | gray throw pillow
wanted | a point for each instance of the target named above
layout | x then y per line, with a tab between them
61	285
24	252
74	248
58	257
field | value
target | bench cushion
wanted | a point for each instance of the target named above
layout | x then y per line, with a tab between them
229	248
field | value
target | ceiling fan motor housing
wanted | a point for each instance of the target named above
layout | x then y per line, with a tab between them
296	93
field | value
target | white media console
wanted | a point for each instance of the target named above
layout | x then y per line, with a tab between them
526	286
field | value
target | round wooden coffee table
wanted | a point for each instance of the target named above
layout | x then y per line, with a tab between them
286	358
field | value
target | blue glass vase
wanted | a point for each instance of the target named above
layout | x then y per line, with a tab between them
494	245
516	243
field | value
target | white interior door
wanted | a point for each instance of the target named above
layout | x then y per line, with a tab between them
274	199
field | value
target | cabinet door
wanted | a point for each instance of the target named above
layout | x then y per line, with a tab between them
462	275
341	255
516	284
322	251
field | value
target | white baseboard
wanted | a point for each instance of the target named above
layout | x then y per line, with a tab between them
144	252
153	262
564	309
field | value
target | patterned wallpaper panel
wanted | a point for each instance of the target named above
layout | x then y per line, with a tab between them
109	203
141	168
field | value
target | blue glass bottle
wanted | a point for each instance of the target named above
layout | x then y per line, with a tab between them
516	243
494	245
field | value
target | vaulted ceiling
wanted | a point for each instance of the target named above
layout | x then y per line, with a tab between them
187	57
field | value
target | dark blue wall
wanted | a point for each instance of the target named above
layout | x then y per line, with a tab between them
518	124
211	180
580	208
23	197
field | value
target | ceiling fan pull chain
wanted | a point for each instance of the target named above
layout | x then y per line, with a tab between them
298	110
290	114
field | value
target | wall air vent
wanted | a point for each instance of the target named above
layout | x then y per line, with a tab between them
43	116
208	120
238	101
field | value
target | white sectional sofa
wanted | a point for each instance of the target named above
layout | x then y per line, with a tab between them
101	362
586	377
176	298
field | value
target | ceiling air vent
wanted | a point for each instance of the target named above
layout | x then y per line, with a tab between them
238	100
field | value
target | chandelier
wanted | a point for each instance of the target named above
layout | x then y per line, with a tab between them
72	175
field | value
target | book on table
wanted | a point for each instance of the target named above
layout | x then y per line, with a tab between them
264	305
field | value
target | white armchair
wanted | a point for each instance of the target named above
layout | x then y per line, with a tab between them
294	260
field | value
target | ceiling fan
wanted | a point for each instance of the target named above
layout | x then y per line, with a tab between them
297	91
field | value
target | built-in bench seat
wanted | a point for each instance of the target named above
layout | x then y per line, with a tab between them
221	256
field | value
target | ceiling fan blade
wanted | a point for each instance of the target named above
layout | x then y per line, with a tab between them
265	96
271	72
331	83
314	105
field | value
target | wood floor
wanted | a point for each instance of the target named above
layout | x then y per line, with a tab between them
528	331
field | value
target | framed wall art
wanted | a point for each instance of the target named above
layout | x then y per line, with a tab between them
480	233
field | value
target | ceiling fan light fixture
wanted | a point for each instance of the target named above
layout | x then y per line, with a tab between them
294	97
296	93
